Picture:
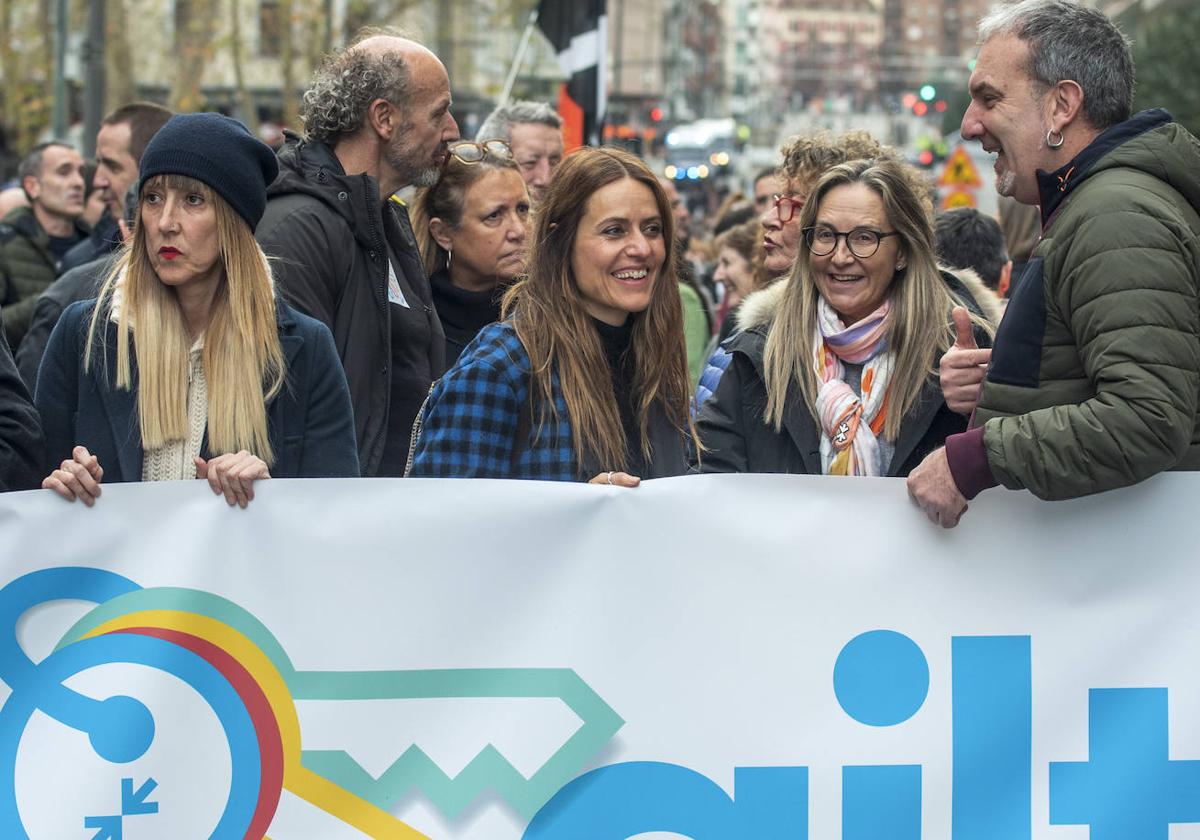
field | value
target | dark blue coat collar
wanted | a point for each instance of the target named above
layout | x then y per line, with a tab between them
120	404
1054	187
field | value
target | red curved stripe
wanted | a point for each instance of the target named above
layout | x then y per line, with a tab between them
270	743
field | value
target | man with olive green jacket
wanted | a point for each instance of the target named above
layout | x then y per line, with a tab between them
1094	380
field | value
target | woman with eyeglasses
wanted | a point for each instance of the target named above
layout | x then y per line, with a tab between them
806	158
837	376
586	377
471	227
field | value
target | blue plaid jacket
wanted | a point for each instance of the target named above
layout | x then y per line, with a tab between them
471	422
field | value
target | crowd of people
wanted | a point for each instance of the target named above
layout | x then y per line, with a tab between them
384	298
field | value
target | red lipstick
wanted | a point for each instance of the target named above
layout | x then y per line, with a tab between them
168	253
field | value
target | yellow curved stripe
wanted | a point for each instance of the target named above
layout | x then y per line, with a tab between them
349	808
240	648
317	790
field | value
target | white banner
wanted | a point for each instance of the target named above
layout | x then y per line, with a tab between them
705	657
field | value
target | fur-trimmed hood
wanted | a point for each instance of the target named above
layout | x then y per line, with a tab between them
759	308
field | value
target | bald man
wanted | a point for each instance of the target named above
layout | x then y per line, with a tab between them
377	119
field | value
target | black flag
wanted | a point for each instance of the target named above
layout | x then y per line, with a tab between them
579	32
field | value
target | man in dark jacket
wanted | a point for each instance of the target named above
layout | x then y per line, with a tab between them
79	283
1094	379
122	138
21	443
377	120
34	239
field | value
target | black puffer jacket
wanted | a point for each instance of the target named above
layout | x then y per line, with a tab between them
329	234
737	439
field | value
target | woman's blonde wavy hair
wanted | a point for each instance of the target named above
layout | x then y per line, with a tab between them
243	360
553	325
920	327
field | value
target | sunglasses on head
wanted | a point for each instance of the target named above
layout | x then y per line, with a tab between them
469	151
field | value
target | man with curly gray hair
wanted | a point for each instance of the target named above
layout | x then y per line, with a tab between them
377	119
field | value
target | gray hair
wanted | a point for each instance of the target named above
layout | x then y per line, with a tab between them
31	164
335	105
1070	41
499	123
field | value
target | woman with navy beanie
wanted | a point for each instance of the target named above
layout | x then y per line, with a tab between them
186	365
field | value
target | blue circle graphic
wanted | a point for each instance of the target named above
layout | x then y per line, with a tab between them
45	681
881	678
123	731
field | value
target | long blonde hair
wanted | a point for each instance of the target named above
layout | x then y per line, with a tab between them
553	325
243	360
920	327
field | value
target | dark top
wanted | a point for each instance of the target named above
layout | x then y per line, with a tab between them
310	423
623	366
729	324
411	371
21	445
59	245
463	313
104	239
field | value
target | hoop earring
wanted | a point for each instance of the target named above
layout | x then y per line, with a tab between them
449	254
1061	139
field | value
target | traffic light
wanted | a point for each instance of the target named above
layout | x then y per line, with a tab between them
928	93
656	114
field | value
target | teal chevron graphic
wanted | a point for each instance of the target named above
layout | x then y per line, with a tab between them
489	769
414	768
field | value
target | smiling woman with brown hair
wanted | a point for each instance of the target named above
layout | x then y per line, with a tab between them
586	379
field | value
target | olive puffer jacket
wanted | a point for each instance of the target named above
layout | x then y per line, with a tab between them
1094	381
27	267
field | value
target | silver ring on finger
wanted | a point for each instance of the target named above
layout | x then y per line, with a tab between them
610	475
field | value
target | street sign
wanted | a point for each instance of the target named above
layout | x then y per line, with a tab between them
960	171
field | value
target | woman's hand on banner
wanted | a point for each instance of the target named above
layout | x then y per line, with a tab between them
77	478
617	479
233	475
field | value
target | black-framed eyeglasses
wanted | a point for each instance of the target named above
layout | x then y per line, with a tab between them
469	151
863	242
787	206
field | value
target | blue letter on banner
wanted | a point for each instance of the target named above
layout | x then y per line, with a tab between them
993	737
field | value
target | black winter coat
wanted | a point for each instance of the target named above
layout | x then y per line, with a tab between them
21	446
328	234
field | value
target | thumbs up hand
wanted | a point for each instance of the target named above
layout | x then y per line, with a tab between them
963	366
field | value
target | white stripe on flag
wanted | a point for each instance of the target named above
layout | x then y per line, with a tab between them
584	52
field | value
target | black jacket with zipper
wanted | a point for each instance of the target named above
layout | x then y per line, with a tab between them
328	234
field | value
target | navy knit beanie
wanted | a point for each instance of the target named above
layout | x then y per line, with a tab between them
219	152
